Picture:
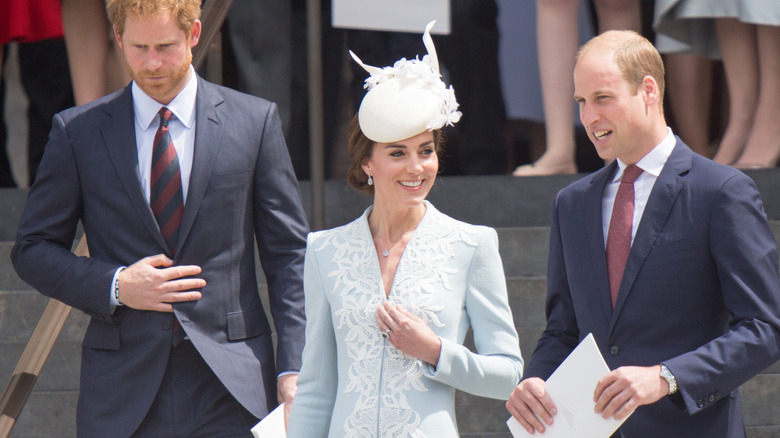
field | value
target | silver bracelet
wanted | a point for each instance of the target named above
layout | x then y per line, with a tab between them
116	287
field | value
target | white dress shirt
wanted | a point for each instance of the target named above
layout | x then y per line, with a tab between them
651	164
182	130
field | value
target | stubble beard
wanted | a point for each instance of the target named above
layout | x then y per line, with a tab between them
166	90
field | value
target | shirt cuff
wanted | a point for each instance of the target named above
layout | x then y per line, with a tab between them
286	373
114	302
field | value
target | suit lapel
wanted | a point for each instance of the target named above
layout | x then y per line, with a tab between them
118	131
665	191
594	230
208	132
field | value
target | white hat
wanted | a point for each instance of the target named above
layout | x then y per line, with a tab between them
407	98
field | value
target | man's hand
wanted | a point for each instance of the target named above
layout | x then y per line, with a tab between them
408	333
286	387
529	402
623	390
152	284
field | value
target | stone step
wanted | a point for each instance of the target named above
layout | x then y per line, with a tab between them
523	253
494	200
48	414
53	399
8	278
11	205
518	207
21	310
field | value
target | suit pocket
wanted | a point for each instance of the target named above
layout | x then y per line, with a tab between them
235	178
247	324
101	336
676	244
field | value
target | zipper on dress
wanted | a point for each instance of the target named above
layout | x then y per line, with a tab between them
381	377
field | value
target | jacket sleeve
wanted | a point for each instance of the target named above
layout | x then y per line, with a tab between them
41	254
318	380
280	229
743	248
497	366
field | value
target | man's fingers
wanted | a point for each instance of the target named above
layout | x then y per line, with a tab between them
161	307
187	284
180	297
525	416
536	406
531	405
181	271
620	406
601	396
517	415
625	409
158	260
602	385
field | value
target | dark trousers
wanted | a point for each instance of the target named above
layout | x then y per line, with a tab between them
193	403
45	78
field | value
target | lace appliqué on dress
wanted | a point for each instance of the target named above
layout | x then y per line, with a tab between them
380	374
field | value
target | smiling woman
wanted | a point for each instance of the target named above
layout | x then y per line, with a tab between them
390	296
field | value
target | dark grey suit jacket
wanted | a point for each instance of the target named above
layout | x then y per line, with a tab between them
242	188
700	292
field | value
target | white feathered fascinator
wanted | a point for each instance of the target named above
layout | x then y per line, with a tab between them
407	98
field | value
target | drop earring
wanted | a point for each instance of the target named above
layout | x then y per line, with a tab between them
370	180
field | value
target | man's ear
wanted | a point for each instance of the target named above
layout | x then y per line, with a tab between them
195	33
118	38
649	88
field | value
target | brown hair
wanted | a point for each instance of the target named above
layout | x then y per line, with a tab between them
360	150
185	11
635	56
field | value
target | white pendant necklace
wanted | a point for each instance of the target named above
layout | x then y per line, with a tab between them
386	252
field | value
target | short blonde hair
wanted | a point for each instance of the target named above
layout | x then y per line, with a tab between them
635	56
185	11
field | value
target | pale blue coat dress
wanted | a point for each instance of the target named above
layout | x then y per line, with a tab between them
353	382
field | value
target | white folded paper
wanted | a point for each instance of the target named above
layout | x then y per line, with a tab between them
272	426
571	388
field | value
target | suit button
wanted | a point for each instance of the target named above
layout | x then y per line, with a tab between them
166	325
700	403
717	396
614	350
712	398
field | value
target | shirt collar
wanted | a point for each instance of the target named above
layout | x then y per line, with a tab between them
654	161
182	106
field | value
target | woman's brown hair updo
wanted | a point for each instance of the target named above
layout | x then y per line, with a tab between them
360	150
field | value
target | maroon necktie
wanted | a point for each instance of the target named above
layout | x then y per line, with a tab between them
166	193
619	236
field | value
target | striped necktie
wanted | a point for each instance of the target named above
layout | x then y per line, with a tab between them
166	193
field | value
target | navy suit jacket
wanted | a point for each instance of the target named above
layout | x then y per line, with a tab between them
242	189
700	292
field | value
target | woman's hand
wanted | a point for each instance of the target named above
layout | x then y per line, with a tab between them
408	333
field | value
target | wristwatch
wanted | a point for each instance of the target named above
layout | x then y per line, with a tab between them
666	374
